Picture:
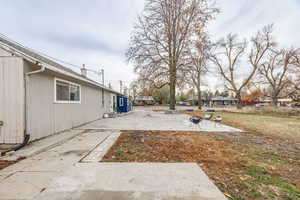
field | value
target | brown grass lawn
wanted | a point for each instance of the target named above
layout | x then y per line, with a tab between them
242	165
280	126
261	163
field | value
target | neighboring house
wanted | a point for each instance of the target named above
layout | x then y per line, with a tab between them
223	101
266	101
40	97
281	101
144	100
192	100
285	102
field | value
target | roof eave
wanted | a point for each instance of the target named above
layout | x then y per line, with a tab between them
54	69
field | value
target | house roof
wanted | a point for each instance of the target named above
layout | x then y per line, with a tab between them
220	98
35	57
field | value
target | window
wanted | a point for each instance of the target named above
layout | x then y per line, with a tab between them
121	102
66	92
74	93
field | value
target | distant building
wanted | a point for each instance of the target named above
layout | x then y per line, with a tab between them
223	101
285	102
192	100
281	101
144	100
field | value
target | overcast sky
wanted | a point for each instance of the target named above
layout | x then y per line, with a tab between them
96	32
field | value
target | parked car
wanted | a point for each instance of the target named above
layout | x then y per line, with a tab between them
296	105
188	104
182	103
260	105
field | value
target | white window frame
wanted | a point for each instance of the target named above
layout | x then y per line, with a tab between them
121	101
71	83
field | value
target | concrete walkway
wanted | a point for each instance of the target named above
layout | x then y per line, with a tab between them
71	169
43	144
31	176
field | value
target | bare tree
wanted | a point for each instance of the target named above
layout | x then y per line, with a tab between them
134	89
296	80
229	54
296	94
199	54
160	39
276	73
227	57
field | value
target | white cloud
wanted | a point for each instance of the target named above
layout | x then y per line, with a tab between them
246	17
96	32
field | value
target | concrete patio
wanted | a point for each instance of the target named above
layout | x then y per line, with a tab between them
71	169
148	120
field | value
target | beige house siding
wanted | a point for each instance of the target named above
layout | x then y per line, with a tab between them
46	117
11	100
4	53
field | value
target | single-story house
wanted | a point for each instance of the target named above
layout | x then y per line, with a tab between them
144	100
223	101
281	101
195	99
40	97
285	102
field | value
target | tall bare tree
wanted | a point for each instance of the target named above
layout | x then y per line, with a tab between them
199	54
229	54
160	38
276	72
296	80
227	57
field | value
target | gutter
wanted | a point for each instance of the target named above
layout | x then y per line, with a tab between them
26	109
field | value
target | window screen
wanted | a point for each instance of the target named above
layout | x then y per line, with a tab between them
74	93
62	91
67	92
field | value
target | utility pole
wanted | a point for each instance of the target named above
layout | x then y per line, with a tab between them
121	86
102	73
126	91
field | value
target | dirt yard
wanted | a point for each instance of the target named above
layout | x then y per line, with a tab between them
242	165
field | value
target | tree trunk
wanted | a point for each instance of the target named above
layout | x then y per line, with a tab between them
275	101
199	90
199	99
239	103
172	88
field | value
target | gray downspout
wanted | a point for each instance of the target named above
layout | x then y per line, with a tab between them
27	81
26	110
